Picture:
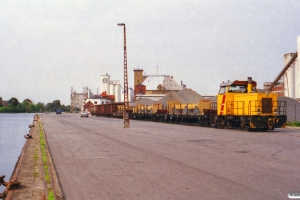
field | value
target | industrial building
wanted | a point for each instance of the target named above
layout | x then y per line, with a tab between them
292	75
77	99
153	87
113	87
278	88
110	87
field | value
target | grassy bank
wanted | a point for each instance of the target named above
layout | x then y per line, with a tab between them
293	123
45	163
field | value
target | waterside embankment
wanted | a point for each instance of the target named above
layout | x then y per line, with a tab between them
34	169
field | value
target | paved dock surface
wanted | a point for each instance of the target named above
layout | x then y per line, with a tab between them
96	158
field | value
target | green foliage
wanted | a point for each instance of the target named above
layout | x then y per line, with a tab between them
27	102
65	108
50	196
44	155
14	101
51	107
294	123
28	106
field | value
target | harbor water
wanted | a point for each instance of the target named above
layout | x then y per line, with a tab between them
13	127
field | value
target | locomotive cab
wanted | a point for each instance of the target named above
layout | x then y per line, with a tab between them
240	105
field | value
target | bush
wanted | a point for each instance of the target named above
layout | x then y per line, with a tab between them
294	123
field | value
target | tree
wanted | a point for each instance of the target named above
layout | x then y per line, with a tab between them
27	102
13	101
49	107
39	107
1	105
56	104
27	106
65	108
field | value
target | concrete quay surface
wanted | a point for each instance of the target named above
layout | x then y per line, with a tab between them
96	158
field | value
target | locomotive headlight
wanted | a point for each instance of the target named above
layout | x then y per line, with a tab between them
258	112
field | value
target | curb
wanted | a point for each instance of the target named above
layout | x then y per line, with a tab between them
17	169
292	127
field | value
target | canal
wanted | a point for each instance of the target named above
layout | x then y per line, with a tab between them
13	127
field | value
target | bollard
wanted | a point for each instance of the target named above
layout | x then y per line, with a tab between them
12	184
31	125
27	136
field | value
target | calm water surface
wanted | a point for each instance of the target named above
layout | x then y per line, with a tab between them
13	127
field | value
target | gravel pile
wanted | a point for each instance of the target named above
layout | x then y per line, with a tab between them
144	101
292	108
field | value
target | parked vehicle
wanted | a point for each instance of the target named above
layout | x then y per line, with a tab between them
84	114
58	111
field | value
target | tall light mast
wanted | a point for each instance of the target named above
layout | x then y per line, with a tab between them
126	101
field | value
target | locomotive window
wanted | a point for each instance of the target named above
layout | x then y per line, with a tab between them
237	88
222	90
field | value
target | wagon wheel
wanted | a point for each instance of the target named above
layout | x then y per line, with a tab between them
247	128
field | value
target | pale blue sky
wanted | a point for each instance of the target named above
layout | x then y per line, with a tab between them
46	47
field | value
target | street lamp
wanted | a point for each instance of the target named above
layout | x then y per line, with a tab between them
126	102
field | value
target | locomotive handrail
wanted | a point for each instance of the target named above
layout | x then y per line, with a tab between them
237	107
281	107
256	106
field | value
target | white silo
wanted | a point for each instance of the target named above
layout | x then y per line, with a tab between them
111	88
131	95
289	77
292	75
104	83
118	92
297	70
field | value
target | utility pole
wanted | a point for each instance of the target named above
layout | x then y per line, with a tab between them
126	101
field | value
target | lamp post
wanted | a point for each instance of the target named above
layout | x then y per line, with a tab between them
126	102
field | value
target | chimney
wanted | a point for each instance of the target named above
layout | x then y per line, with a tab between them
249	87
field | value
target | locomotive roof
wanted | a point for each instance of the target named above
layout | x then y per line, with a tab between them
236	82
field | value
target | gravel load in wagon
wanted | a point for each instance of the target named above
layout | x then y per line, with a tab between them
183	96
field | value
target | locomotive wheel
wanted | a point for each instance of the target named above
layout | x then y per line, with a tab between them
228	125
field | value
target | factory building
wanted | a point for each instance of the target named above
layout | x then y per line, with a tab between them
110	87
292	76
153	87
77	99
278	88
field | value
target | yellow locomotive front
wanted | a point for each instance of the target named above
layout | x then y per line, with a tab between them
240	105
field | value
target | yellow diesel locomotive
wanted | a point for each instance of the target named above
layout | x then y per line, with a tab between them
240	105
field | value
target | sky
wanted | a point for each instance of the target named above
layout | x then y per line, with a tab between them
49	46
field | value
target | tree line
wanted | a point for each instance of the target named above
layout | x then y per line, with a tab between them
14	106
